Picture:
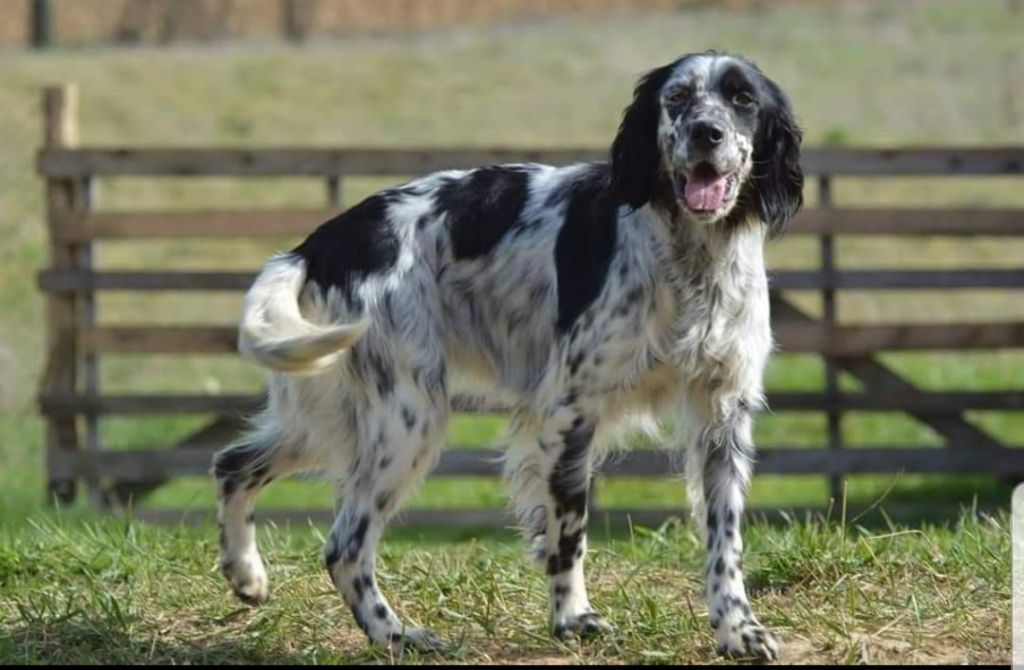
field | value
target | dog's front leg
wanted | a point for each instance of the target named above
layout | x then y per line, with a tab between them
721	457
550	475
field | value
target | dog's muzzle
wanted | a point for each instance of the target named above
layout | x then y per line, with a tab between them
705	189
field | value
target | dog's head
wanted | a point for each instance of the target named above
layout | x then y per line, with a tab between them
714	134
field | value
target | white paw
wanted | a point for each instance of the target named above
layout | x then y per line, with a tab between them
247	577
587	624
747	639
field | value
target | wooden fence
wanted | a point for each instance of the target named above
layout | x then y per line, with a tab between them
73	404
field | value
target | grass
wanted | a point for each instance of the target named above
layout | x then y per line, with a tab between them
837	594
872	72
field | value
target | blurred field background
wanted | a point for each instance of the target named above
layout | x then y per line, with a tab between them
870	72
92	22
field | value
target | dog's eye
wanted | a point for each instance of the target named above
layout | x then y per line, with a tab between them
742	99
679	96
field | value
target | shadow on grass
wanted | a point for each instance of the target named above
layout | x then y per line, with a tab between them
944	490
105	642
915	515
872	502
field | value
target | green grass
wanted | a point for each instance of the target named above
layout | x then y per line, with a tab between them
113	592
871	72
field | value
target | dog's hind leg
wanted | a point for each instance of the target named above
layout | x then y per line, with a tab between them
549	476
399	443
241	471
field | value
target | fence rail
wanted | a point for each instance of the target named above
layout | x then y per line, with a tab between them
372	161
95	226
71	398
144	465
153	404
78	281
796	338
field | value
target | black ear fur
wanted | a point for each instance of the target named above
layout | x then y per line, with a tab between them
636	159
777	175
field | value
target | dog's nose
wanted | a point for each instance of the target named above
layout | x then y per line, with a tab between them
705	135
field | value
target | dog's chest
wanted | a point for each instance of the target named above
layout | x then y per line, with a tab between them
716	309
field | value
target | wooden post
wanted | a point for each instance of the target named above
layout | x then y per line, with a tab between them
334	191
41	23
60	113
292	24
828	303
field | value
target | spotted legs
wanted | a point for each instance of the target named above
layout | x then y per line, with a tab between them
721	458
549	476
241	471
404	448
350	557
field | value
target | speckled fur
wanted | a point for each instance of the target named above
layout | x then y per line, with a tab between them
585	295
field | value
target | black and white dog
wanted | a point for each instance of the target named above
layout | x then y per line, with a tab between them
584	294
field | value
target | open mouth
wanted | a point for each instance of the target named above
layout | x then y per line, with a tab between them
704	189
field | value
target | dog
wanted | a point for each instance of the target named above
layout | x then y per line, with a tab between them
585	295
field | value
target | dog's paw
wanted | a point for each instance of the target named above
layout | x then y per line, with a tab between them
248	579
749	640
588	624
421	640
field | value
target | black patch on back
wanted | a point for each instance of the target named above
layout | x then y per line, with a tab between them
586	242
482	207
352	245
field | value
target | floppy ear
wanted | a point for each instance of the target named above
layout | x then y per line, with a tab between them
778	178
635	154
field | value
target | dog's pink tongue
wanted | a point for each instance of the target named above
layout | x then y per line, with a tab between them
704	192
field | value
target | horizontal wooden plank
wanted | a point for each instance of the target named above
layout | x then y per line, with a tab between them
922	161
275	223
872	279
792	337
160	464
908	221
160	339
249	223
57	404
142	405
81	281
278	161
937	402
858	340
149	465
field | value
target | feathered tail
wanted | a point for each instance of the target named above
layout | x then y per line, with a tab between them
274	333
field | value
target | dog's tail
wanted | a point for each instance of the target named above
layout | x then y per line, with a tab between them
276	335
